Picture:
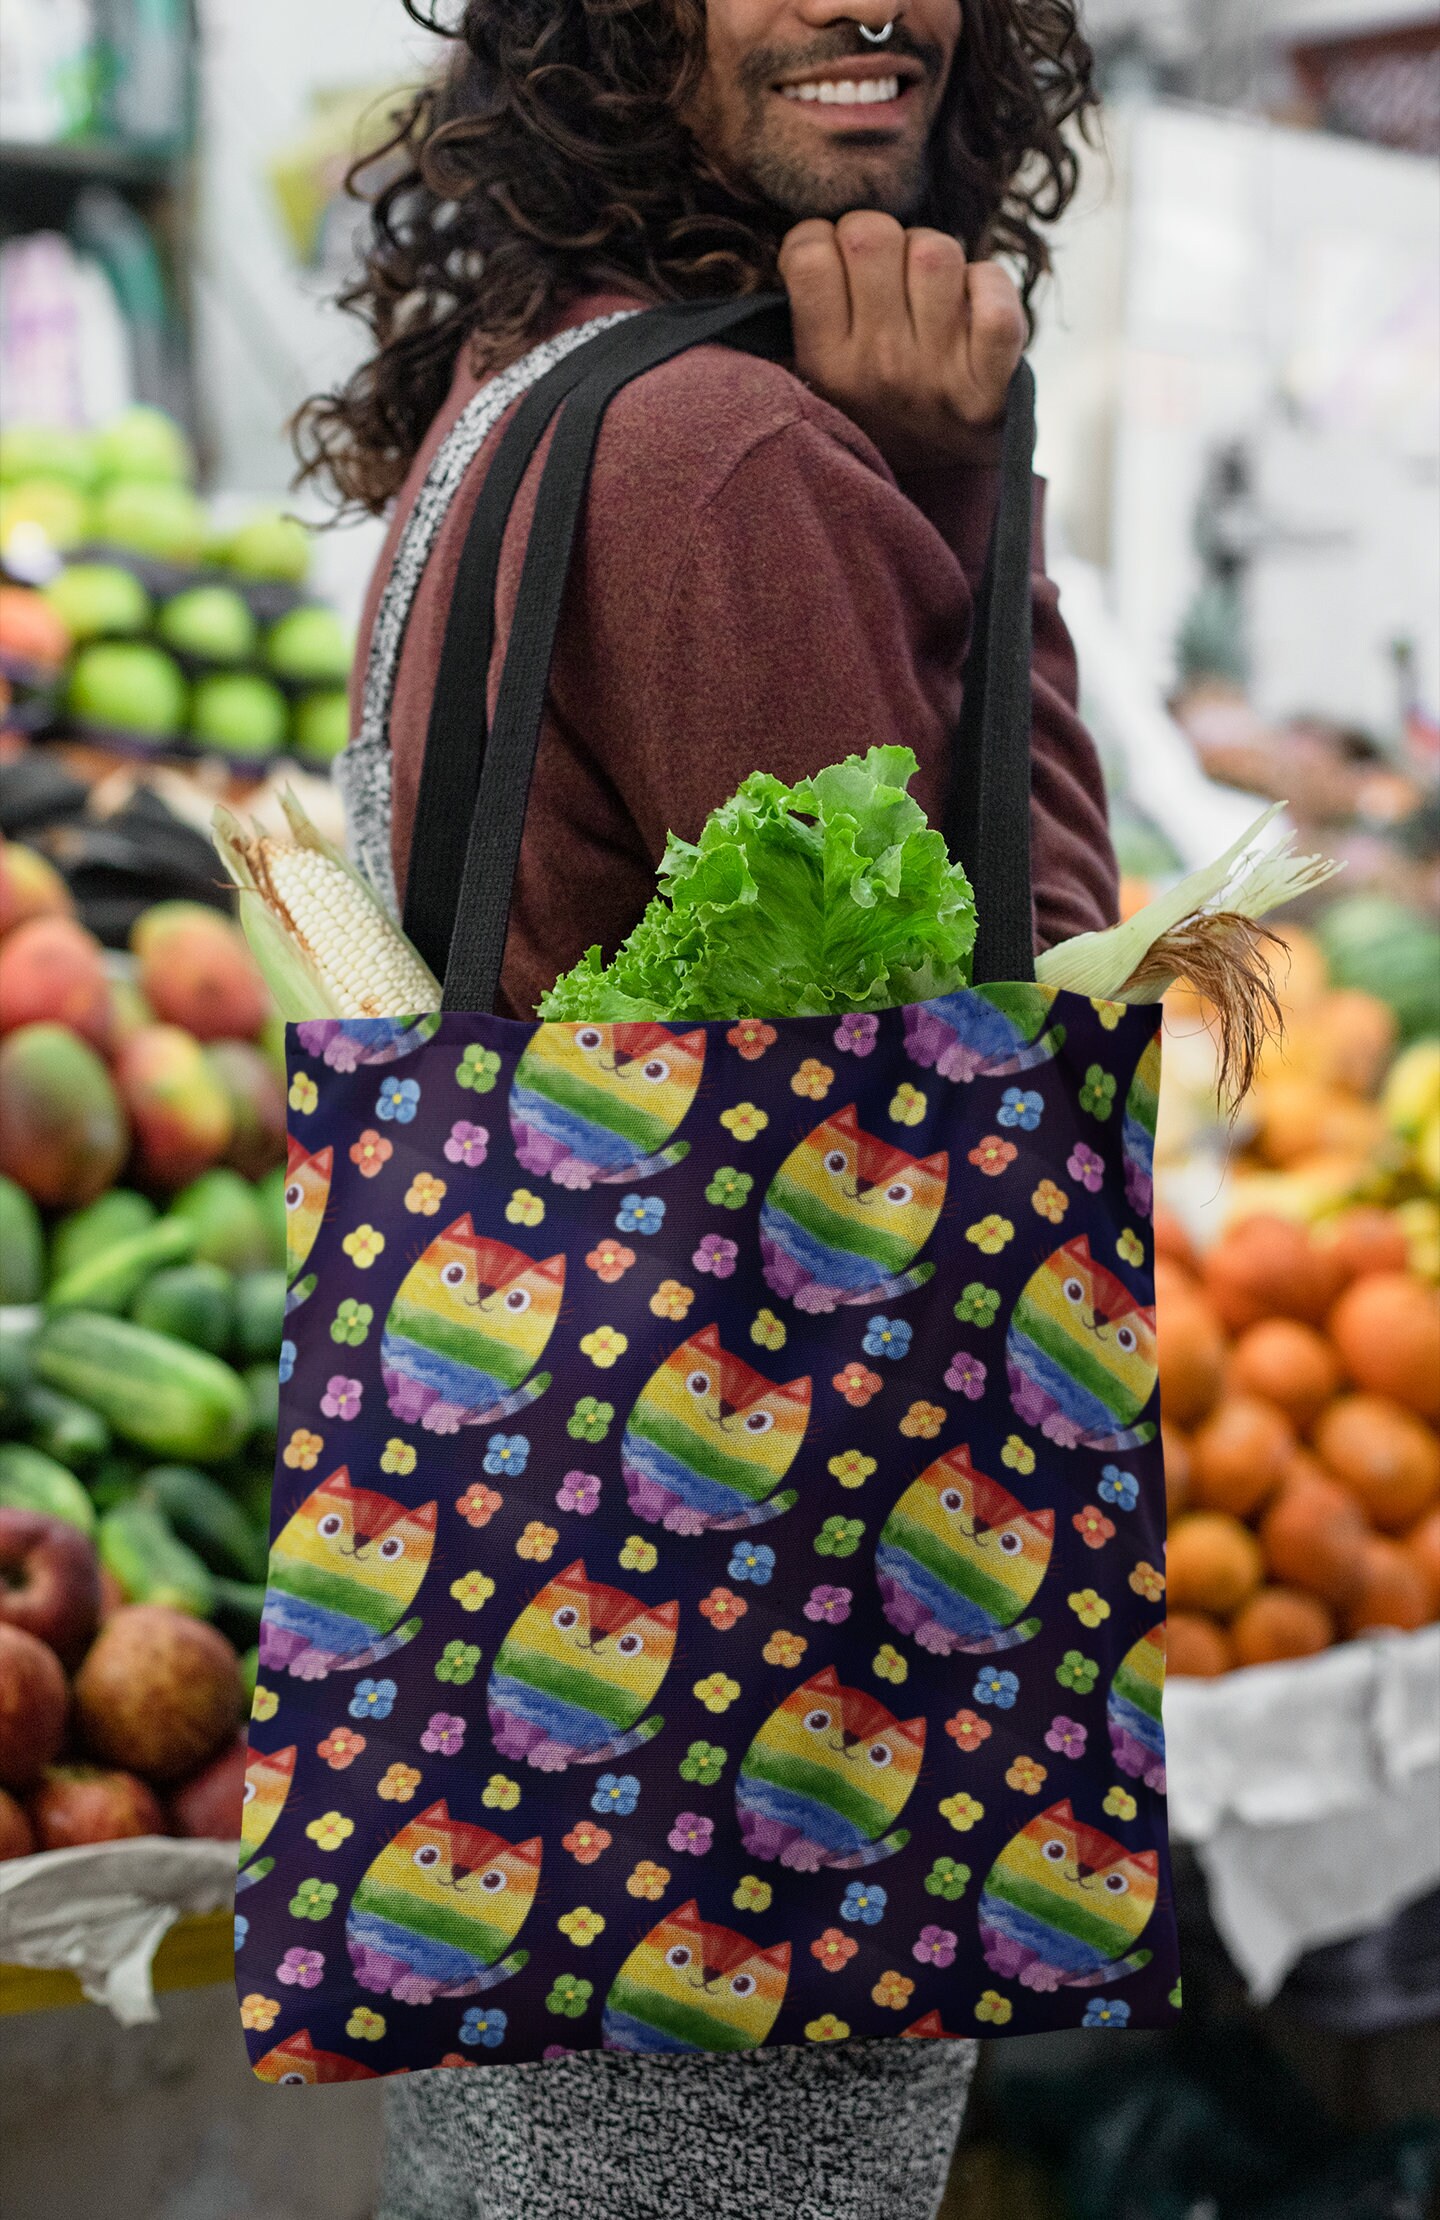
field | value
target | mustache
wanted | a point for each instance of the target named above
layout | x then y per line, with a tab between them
759	71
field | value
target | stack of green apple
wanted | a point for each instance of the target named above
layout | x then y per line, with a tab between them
182	637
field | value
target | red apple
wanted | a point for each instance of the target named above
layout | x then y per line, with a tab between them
209	1806
159	1692
76	1804
16	1838
33	1704
49	1581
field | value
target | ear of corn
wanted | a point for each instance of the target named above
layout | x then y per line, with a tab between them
327	948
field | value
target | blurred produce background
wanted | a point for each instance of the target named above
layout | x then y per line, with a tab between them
1239	364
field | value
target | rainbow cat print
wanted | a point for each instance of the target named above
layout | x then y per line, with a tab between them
436	1912
297	2064
469	1324
1064	1905
592	1104
694	1986
984	1032
345	1044
307	1193
1142	1110
577	1670
1137	1736
1080	1354
345	1568
267	1784
826	1777
959	1560
710	1440
846	1216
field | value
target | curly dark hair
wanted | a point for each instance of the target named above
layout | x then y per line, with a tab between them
551	155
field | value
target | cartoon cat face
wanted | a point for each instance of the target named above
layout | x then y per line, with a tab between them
975	1519
355	1550
477	1298
1078	1872
307	1193
1090	1325
296	2063
862	1191
459	1871
633	1082
267	1784
689	1971
824	1730
704	1390
597	1644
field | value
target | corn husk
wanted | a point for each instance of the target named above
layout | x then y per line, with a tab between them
1206	930
327	947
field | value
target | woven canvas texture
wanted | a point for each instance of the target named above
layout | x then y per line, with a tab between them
716	1593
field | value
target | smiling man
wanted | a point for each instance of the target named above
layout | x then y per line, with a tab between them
777	566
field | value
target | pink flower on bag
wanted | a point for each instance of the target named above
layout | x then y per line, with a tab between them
831	1605
716	1254
855	1034
445	1734
579	1491
966	1376
301	1969
691	1832
468	1144
1083	1164
1067	1737
936	1946
341	1398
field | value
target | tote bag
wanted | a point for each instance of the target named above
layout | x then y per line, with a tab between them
716	1594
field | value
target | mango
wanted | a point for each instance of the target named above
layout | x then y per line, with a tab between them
180	1112
196	971
30	886
63	1129
53	972
256	1095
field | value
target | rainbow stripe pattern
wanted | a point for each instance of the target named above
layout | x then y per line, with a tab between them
601	1102
1137	1735
959	1560
694	1986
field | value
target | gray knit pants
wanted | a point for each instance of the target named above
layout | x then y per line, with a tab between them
860	2131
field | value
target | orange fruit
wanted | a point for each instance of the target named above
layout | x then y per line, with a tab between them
1171	1241
1195	1646
1386	1327
1313	1534
1290	1365
1267	1268
1389	1461
1422	1546
1191	1351
1304	1118
1213	1563
1239	1456
1366	1240
1279	1623
1177	1470
1392	1590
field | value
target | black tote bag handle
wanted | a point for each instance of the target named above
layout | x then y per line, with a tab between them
987	815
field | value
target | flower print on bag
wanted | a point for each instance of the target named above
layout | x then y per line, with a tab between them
719	1256
591	1420
313	1899
342	1397
865	1902
373	1699
468	1144
998	1687
745	1122
751	1038
580	1492
445	1735
648	1881
640	1214
968	1729
350	1326
1067	1737
1021	1107
834	1949
830	1606
616	1792
424	1195
487	2027
478	1069
908	1105
856	1035
507	1453
723	1609
978	1305
398	1100
371	1153
935	1946
752	1561
301	1968
888	1337
692	1833
992	1156
1120	1488
586	1841
966	1376
1083	1164
609	1260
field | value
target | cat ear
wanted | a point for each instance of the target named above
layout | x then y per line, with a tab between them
778	1956
929	2024
298	2045
282	1760
1062	1810
695	1042
664	1614
707	1338
913	1731
939	1165
797	1391
1043	1523
424	1516
529	1853
552	1269
845	1119
463	1229
958	1460
572	1577
295	1156
1079	1248
338	1483
1147	1860
434	1815
827	1679
688	1915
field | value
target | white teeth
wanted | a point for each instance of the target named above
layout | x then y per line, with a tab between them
862	92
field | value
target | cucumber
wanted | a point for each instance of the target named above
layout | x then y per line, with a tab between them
209	1520
22	1246
237	1608
152	1565
263	1383
115	1479
259	1316
254	1492
31	1481
192	1302
229	1224
270	1196
111	1280
68	1431
15	1379
176	1402
118	1216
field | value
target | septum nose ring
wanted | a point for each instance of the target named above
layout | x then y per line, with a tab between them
877	38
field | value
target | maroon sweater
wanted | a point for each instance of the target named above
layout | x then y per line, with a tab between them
753	589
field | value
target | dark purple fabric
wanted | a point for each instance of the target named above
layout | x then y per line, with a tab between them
1045	1129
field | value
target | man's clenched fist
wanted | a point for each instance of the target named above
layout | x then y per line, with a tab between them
913	342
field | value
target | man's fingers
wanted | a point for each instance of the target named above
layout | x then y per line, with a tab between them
998	330
873	248
935	285
814	277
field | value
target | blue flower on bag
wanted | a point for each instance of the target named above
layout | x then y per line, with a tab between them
287	1361
752	1561
373	1699
1106	2011
864	1902
616	1792
484	2027
242	1929
998	1688
399	1099
1119	1488
507	1453
888	1337
640	1214
1022	1109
